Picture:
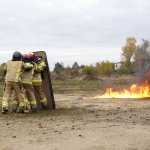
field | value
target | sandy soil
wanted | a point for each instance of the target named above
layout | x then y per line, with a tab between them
80	123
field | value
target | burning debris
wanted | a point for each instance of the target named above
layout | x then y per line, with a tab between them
135	91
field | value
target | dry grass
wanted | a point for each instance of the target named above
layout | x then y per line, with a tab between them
68	86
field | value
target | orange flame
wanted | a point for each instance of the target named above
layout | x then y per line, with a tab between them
135	91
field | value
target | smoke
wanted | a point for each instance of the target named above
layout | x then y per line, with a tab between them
143	51
142	61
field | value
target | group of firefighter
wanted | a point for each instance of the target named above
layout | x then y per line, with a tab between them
22	80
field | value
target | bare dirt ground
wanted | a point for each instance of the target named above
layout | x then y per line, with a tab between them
80	122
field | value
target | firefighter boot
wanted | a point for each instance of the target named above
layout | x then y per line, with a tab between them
44	106
5	110
34	110
14	110
21	110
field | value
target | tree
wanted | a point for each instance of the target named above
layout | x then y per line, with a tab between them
75	69
75	66
89	71
104	68
58	68
128	52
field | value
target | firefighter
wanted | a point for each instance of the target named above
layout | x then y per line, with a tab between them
37	80
13	71
26	81
26	86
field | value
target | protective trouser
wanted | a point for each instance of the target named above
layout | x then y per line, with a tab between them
14	101
29	97
9	87
38	89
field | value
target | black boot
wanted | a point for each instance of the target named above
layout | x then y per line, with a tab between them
5	110
44	106
14	111
34	110
21	110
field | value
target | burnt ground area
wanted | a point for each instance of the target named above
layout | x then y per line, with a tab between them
80	122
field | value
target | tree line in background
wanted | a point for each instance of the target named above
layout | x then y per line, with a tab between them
131	57
101	68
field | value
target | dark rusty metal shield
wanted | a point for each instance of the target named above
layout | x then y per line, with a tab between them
47	85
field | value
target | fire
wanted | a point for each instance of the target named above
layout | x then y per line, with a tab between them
141	90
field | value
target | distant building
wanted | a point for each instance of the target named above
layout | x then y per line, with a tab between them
117	65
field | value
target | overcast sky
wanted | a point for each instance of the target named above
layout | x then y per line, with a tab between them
86	31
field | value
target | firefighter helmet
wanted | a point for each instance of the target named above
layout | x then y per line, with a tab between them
25	57
31	56
17	56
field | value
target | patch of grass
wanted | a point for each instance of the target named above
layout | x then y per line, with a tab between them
75	85
121	82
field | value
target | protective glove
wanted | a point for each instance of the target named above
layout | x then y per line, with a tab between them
37	59
28	69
